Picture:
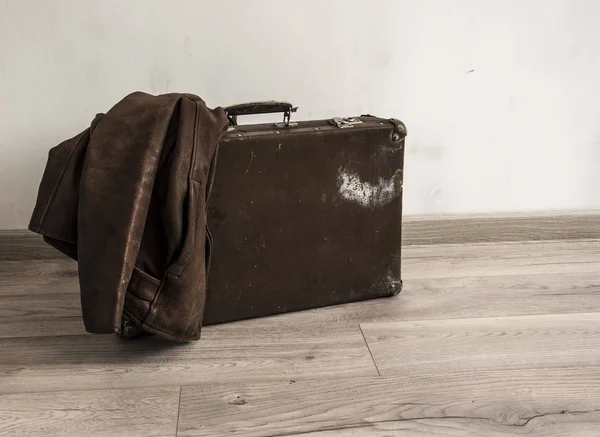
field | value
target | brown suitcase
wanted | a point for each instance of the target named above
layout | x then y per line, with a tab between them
303	215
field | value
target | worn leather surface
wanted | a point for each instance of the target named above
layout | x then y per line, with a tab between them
126	198
305	217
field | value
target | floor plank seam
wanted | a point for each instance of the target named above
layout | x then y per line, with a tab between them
473	318
503	242
369	349
582	312
178	411
127	387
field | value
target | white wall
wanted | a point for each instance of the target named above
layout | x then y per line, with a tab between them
501	97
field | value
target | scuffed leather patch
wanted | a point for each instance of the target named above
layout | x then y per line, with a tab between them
130	328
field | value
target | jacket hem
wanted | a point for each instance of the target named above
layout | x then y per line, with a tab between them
162	332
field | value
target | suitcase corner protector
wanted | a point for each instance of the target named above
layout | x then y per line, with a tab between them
395	287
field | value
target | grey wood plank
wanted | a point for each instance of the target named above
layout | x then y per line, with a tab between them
453	261
499	343
41	327
501	227
35	315
553	402
39	298
467	297
22	306
43	298
226	352
129	413
23	277
18	245
54	314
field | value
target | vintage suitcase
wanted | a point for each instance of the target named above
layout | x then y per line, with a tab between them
303	214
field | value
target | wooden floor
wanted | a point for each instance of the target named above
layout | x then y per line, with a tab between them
489	339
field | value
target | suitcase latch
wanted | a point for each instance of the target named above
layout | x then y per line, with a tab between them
345	122
287	114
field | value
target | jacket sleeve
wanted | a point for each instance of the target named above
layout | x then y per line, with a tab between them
116	187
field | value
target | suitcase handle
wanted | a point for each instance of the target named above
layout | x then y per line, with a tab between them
265	107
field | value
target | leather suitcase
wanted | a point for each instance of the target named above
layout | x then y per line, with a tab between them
303	214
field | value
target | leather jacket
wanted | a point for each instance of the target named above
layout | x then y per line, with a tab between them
127	198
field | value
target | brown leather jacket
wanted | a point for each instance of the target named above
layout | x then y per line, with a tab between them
126	198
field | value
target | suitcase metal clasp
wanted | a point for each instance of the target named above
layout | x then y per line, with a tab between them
345	122
287	114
